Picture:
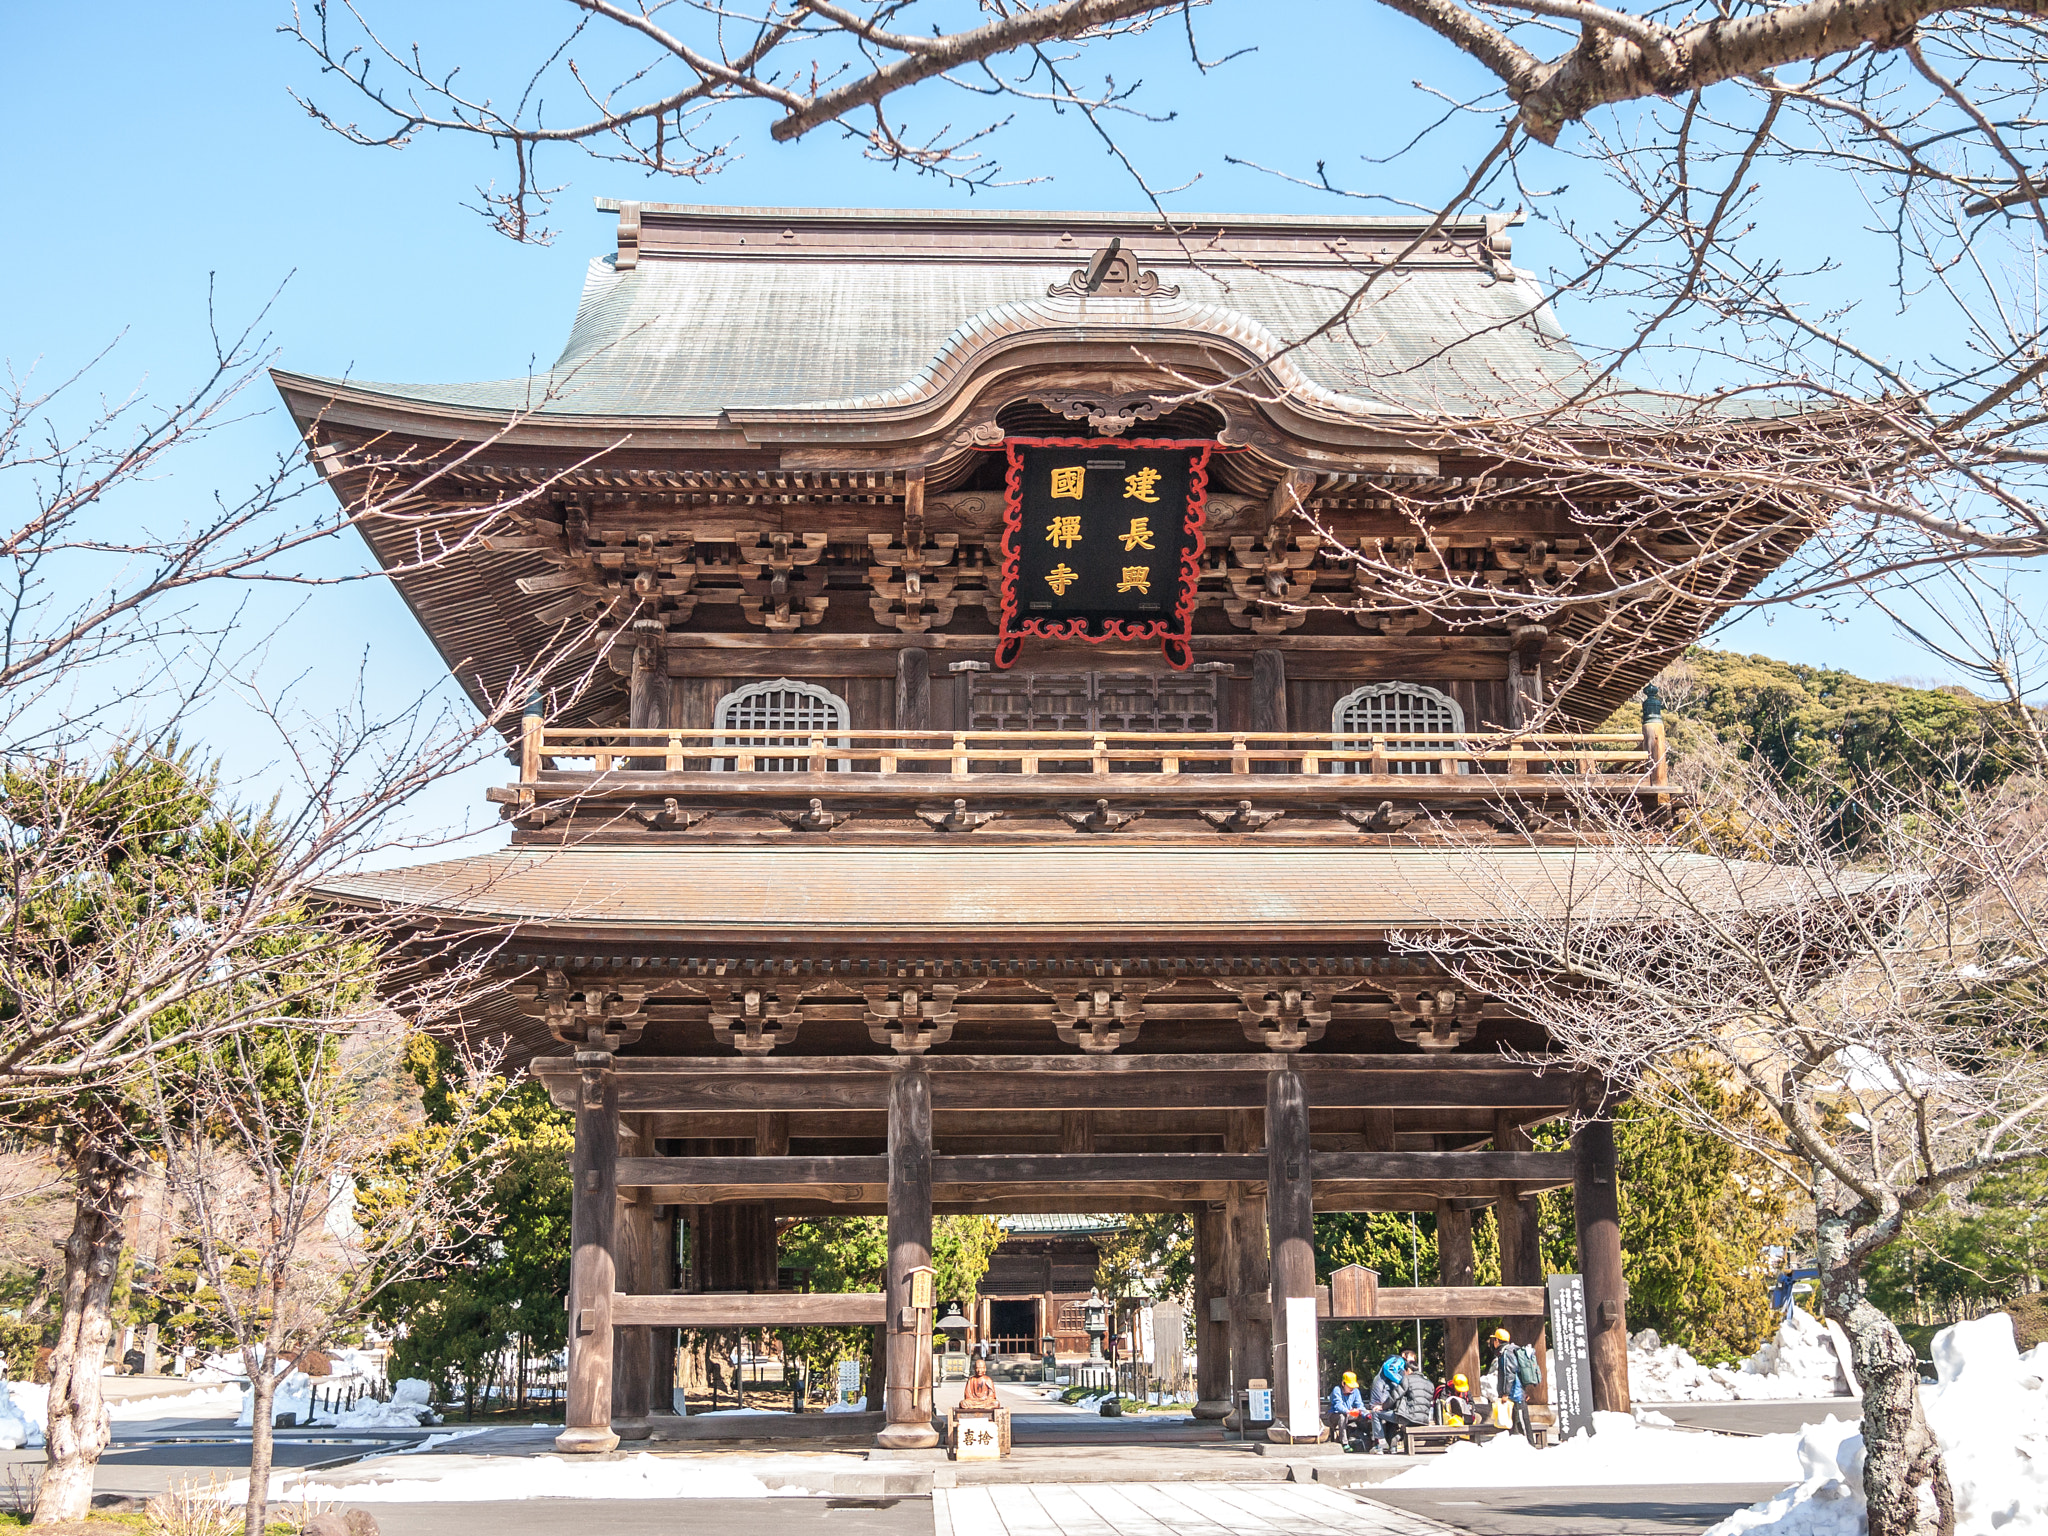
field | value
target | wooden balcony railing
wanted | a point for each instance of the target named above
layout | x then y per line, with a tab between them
970	754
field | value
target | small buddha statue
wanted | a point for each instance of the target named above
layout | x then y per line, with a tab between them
979	1395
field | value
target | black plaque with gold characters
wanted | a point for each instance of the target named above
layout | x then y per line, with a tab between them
1102	541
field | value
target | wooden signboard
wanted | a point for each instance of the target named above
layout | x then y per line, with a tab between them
1571	1389
1102	540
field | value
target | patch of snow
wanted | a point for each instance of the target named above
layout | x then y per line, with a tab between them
859	1405
1988	1406
410	1406
1800	1361
1615	1452
555	1477
183	1405
24	1410
435	1442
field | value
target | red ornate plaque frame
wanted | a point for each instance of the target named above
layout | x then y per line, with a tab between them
1173	634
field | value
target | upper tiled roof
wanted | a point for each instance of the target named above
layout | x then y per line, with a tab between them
699	329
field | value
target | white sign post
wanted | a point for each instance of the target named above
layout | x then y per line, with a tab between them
1303	1421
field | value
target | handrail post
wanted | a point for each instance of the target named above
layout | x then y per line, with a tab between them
1653	737
1098	757
531	723
959	754
672	759
1240	756
1379	756
818	763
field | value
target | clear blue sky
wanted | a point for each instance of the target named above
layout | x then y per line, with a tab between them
149	146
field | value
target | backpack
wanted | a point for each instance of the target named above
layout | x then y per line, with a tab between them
1527	1371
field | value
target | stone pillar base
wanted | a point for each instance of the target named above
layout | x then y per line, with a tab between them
907	1437
1213	1408
632	1428
587	1442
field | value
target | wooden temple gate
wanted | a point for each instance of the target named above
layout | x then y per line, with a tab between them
981	781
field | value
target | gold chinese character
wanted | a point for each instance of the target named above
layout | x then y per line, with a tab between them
1139	487
1063	531
1066	483
1138	576
1140	534
1061	577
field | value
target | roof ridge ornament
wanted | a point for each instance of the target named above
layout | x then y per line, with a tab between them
1109	415
1111	273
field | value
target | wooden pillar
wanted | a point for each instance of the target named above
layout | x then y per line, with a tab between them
1521	1251
1525	675
1290	1223
634	1258
662	1343
878	1369
914	698
1596	1204
1212	1336
771	1139
594	1170
1251	1338
1269	700
648	705
1454	1267
909	1402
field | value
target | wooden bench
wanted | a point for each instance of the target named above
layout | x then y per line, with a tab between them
1434	1439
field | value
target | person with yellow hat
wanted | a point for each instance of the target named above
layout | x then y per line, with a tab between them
1515	1371
1347	1411
1454	1401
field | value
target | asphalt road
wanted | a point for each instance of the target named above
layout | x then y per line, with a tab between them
1759	1418
1659	1511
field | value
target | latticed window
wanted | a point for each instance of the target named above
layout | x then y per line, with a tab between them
780	714
1397	709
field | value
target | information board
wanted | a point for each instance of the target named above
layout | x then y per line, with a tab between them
1102	540
1304	1402
1571	1386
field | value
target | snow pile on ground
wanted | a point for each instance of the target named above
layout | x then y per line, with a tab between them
182	1405
17	1427
25	1409
1988	1408
1618	1451
555	1477
410	1406
1799	1362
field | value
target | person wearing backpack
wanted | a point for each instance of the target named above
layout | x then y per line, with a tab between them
1515	1371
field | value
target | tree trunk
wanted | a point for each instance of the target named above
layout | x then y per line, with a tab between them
1899	1450
262	1394
78	1429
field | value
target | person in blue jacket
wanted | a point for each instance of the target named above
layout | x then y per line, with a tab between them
1347	1413
1385	1399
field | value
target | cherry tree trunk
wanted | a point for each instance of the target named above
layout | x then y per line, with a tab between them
78	1430
1900	1453
262	1395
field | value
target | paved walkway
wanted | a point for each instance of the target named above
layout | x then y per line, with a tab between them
1167	1509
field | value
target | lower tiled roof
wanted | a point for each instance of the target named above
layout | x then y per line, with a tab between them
1086	889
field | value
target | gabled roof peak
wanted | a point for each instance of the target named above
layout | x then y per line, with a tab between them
981	236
